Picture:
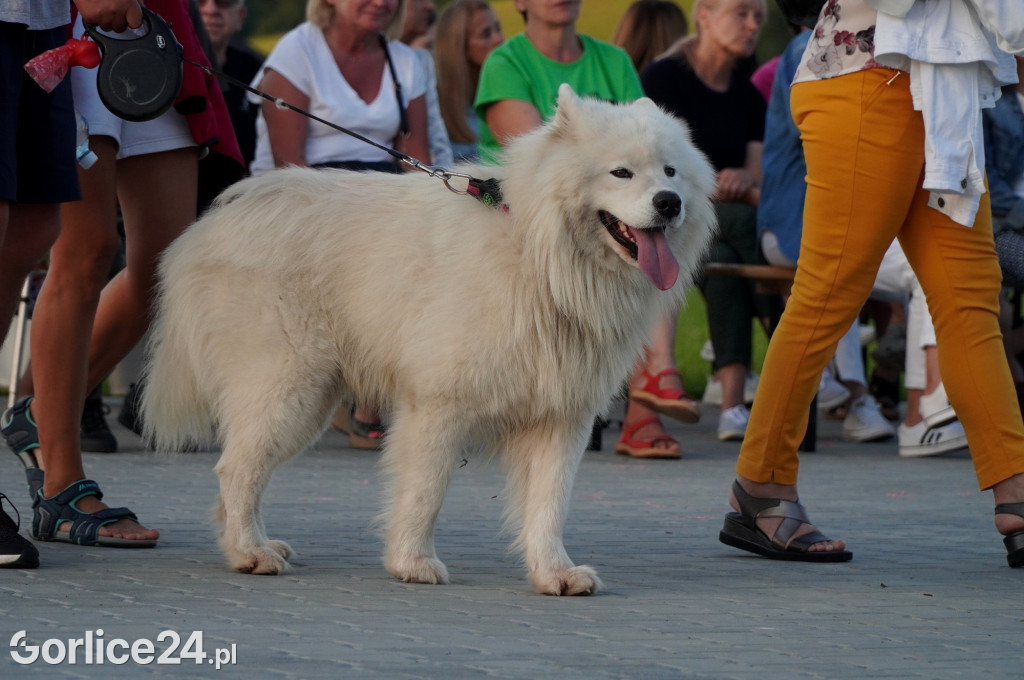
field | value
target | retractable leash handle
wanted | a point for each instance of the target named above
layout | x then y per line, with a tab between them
139	78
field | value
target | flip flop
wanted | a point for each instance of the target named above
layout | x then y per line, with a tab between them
741	530
52	513
644	448
672	402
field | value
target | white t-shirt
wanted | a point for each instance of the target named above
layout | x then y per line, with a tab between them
304	58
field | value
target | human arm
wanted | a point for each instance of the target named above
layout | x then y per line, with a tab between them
416	143
510	118
1005	20
286	131
111	15
742	185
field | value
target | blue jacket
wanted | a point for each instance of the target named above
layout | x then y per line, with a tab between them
781	208
1004	160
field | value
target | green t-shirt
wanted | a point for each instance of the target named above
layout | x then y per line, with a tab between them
516	70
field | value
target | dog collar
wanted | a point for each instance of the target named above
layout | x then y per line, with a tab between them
488	192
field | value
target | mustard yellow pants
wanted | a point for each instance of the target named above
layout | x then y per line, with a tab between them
864	146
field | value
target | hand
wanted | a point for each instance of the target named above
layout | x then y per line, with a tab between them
734	185
111	15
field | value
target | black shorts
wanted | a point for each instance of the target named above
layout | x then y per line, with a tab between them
37	128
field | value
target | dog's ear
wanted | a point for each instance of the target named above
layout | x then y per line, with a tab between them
568	103
645	101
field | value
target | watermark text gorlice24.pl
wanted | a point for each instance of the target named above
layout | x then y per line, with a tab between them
94	649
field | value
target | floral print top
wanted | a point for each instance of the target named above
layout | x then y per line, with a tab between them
843	41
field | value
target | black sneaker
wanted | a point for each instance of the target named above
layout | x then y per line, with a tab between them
96	436
16	552
129	415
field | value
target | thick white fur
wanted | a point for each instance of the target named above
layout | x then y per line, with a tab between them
466	324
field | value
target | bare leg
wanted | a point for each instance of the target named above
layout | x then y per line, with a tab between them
27	234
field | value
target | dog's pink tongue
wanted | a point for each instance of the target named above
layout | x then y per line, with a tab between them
655	258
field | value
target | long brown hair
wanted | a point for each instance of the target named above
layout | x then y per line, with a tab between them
456	78
649	28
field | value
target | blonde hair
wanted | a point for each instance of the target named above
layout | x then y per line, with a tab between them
321	14
456	79
648	29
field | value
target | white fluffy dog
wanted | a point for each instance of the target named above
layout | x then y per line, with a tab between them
467	324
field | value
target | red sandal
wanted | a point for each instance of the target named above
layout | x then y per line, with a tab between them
672	402
644	448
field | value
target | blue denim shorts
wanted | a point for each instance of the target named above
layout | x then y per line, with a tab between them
37	128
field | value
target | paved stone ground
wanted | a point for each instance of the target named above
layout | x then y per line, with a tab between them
928	594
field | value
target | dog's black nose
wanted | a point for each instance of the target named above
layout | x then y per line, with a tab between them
667	203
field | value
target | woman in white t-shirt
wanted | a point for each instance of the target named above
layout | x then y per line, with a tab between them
337	66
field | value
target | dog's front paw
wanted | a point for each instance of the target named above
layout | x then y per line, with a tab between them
581	580
281	548
418	570
269	559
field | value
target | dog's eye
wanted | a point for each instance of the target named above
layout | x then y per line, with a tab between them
622	173
670	171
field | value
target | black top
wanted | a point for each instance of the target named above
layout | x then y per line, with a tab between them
722	122
242	64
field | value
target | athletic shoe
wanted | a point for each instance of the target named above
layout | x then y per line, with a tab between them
713	390
16	552
831	392
866	334
95	435
732	423
865	423
921	440
935	407
707	351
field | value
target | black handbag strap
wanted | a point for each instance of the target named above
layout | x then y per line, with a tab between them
403	117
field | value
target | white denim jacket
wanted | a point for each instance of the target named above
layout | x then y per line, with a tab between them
954	52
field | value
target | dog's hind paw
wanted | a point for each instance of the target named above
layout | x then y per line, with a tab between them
581	580
419	570
269	559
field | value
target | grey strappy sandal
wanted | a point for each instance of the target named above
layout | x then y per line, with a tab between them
1014	542
741	530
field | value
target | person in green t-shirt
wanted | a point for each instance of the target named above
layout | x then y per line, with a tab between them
519	81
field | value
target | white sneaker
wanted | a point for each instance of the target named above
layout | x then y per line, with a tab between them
866	334
922	440
732	423
831	392
713	390
865	422
707	351
935	407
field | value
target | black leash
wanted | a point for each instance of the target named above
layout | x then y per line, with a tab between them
487	191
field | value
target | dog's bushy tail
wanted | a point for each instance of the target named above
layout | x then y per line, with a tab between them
176	412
